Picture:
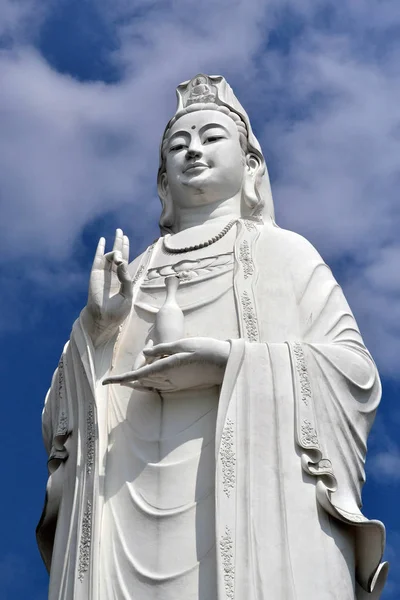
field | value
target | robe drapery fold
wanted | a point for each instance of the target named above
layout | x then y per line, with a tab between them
297	402
65	531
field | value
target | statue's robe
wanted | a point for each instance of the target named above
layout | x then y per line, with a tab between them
299	396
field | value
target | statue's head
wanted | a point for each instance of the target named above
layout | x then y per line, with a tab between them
209	154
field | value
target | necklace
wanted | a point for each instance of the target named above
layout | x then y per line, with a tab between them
212	240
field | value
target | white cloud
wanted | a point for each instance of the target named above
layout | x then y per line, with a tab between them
386	465
71	150
383	459
67	153
20	19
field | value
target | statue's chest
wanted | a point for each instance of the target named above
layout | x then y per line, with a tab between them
205	294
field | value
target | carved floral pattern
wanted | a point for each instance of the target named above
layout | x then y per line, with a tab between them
228	458
90	439
85	542
250	225
187	270
301	367
245	259
60	378
226	548
249	317
308	434
138	274
62	424
62	417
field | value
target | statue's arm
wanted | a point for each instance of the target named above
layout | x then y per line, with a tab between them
326	321
337	392
75	378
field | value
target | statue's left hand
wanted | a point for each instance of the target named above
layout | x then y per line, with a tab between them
187	363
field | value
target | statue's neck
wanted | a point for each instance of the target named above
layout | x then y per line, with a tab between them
209	216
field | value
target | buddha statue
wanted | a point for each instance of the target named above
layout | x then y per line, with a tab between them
207	423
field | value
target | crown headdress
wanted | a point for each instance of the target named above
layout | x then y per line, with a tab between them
200	90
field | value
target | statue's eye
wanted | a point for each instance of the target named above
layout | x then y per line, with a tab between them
177	147
213	138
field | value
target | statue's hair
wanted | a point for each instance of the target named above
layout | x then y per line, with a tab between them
251	197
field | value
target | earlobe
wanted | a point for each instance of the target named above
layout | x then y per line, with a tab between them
252	163
167	216
249	182
164	184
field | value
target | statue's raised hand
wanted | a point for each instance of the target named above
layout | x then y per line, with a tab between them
110	290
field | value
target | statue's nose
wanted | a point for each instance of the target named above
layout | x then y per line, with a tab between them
194	151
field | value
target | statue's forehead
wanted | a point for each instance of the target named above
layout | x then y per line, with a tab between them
199	118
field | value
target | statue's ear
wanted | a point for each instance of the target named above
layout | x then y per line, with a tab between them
163	185
252	164
168	214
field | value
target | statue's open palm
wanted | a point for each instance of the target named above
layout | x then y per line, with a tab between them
110	287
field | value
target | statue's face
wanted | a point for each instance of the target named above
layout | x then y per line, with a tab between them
204	160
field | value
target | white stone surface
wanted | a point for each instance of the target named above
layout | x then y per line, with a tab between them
207	423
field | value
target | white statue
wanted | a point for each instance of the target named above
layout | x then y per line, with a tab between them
207	423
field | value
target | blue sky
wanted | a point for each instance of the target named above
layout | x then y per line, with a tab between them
85	91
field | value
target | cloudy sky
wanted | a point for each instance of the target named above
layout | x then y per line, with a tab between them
86	88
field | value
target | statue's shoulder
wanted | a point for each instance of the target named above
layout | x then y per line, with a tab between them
293	256
291	247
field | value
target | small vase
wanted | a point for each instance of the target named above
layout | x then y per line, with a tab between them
169	323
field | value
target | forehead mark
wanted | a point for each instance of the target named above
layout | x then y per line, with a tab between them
193	126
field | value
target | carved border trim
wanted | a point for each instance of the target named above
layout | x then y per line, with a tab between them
309	436
249	224
246	260
138	274
249	317
62	424
246	304
301	367
228	458
85	542
61	378
90	439
226	549
306	431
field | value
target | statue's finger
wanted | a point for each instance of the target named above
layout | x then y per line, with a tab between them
114	257
154	382
118	241
182	345
144	372
167	348
161	365
135	385
146	385
125	248
164	385
125	279
99	255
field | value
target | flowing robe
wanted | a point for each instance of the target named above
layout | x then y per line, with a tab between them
298	399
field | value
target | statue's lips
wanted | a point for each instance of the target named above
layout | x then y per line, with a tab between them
196	167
